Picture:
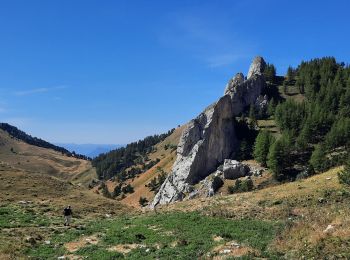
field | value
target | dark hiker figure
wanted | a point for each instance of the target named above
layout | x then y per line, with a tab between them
67	212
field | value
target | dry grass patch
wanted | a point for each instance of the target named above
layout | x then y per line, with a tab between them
82	242
125	248
232	249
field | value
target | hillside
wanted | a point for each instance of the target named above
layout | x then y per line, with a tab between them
306	219
34	159
22	136
163	154
166	153
36	183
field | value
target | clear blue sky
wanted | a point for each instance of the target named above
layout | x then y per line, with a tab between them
116	71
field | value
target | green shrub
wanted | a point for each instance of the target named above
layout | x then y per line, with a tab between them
344	175
143	201
241	186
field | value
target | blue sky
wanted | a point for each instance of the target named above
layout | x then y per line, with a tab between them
116	71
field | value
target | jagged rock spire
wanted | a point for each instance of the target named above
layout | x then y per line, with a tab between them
210	138
257	67
235	81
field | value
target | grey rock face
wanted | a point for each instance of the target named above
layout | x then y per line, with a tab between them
233	83
208	186
210	138
234	169
261	104
257	67
203	146
246	93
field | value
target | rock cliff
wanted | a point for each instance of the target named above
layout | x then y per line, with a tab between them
210	138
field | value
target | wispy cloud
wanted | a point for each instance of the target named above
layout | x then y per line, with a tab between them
224	59
33	91
209	38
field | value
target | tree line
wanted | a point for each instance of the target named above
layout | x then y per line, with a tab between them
116	162
315	132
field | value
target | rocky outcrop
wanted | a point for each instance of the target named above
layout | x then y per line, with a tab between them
257	67
245	92
234	169
203	146
210	138
208	186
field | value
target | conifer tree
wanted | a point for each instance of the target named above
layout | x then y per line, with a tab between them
275	159
271	107
318	158
262	146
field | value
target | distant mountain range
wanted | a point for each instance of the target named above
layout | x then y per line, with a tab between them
90	150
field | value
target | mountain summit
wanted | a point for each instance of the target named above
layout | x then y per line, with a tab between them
211	138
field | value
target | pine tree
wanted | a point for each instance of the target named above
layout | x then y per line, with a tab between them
278	159
271	107
285	87
318	158
290	73
261	147
270	72
275	159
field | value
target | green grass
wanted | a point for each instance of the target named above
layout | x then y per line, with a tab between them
96	253
174	235
12	216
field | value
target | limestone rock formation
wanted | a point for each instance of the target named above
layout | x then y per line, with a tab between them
257	67
208	186
234	169
210	138
204	144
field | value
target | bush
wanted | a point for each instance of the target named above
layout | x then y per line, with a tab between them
105	191
143	201
128	189
241	186
344	175
156	182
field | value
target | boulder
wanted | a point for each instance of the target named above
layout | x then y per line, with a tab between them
207	187
234	169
